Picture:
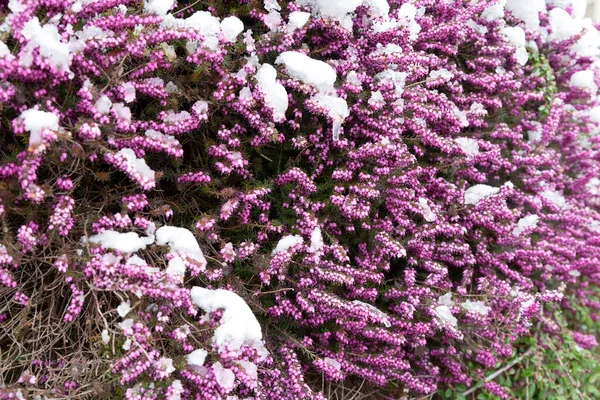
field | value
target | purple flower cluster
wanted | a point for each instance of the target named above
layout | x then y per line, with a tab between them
387	190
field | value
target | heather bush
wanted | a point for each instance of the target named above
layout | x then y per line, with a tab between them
213	199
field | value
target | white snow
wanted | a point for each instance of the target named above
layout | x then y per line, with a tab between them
249	368
495	11
595	114
129	242
271	5
352	78
137	165
297	19
468	145
275	94
48	41
176	390
385	318
338	110
103	105
124	308
527	11
578	6
379	8
105	336
35	121
376	98
273	20
224	376
427	213
127	324
475	193
441	73
482	30
197	357
388	49
204	22
316	239
231	28
554	197
516	36
337	10
593	186
158	7
181	242
168	140
588	44
524	223
286	242
122	111
446	300
398	79
129	90
176	268
135	260
562	25
535	135
165	364
584	80
476	307
406	18
4	51
308	70
445	316
334	363
171	88
238	325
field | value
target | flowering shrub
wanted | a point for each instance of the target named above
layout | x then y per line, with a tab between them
205	200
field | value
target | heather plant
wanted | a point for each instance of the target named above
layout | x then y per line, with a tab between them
213	199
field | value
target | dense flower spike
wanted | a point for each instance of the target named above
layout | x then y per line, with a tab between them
244	200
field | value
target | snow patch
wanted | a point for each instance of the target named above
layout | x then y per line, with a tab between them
129	242
584	80
286	242
231	28
238	325
428	215
275	94
524	223
337	10
197	357
445	316
468	145
527	11
48	41
516	36
137	165
297	19
35	121
124	308
446	300
181	242
476	307
316	239
224	376
308	70
555	198
475	193
158	7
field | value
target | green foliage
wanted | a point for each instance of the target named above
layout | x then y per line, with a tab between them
548	366
542	68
